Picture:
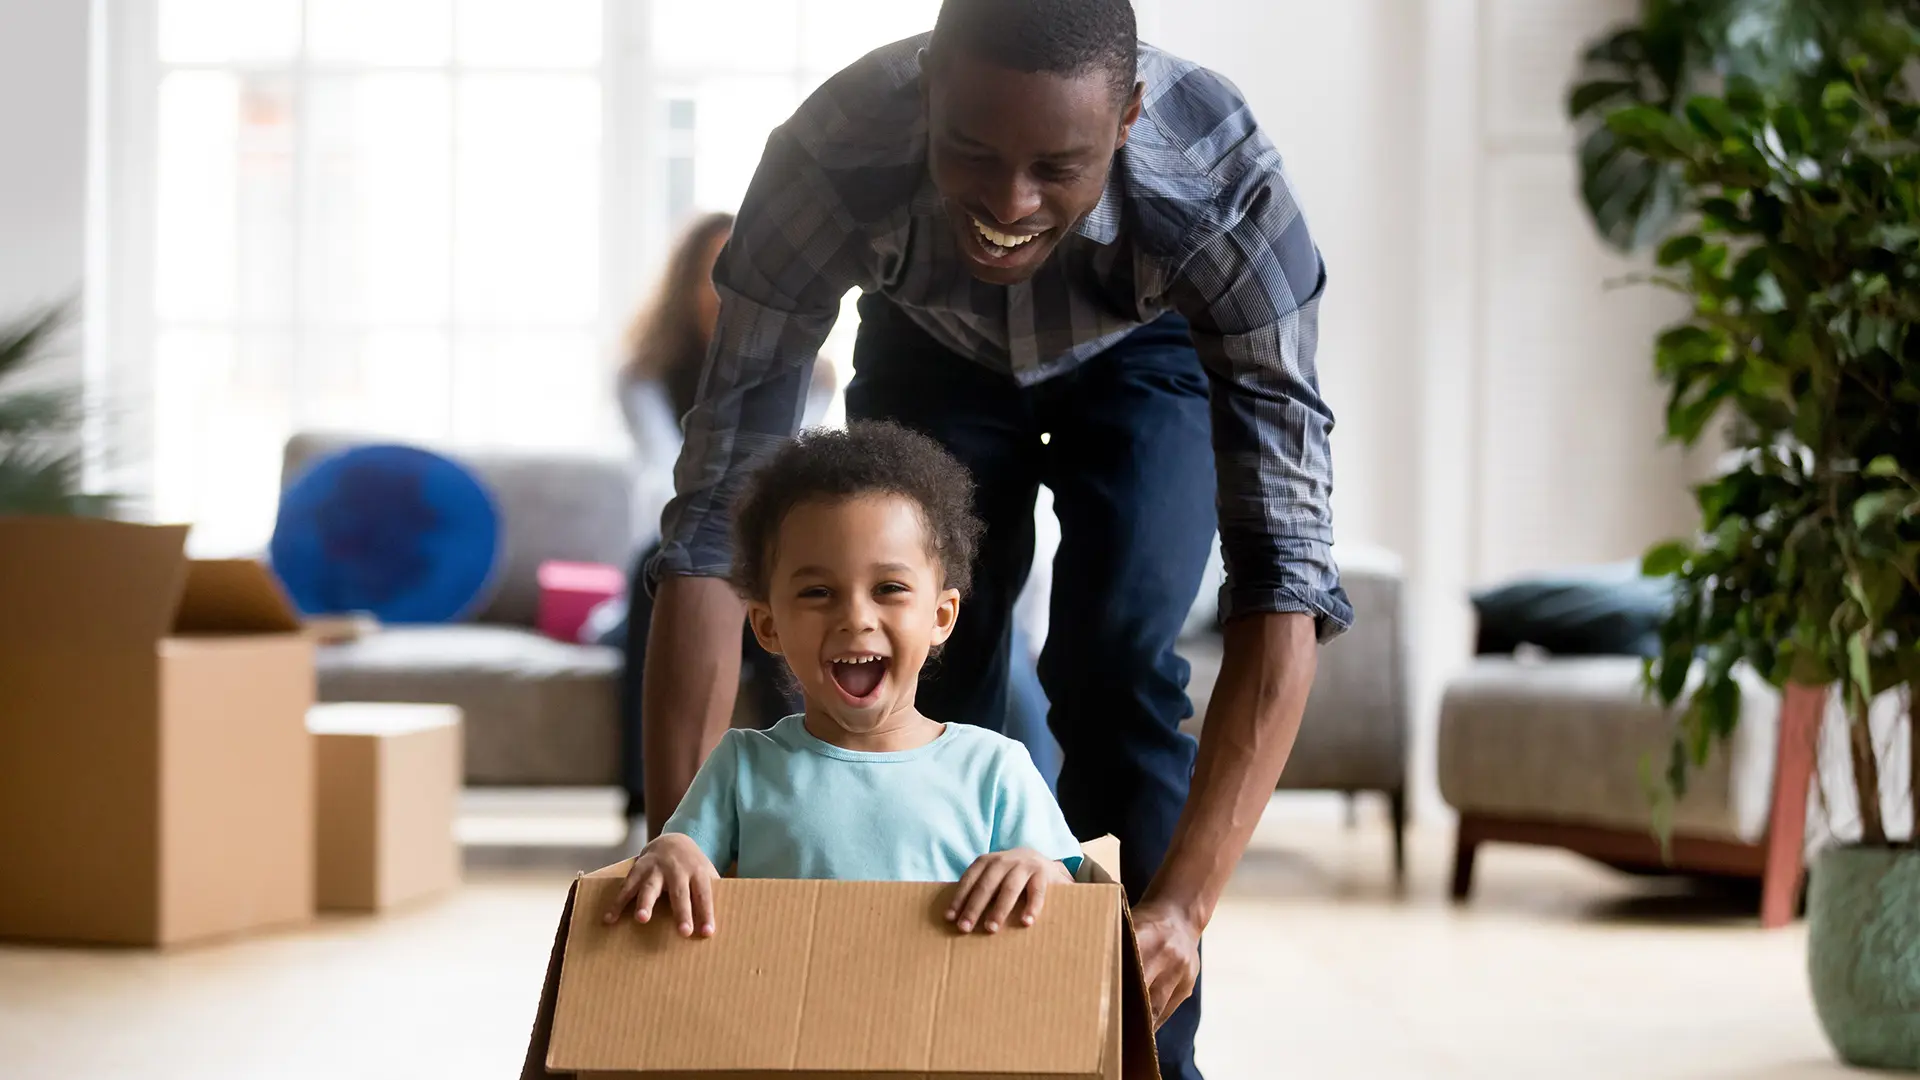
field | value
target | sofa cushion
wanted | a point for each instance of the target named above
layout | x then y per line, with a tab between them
1571	740
537	711
553	506
1592	611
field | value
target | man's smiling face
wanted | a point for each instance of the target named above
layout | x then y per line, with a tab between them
1019	158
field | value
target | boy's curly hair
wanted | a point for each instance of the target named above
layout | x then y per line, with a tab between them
871	457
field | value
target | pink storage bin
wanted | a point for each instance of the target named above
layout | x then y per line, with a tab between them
569	591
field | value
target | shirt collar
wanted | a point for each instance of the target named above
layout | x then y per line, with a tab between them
1102	223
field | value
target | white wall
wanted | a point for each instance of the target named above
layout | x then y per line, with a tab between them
1495	404
43	130
1331	83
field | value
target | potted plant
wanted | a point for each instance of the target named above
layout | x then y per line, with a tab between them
40	460
1794	231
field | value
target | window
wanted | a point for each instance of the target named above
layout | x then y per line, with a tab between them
420	219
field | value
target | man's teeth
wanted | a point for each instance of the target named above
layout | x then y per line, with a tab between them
997	238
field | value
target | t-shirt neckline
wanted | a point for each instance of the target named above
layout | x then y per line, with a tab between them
795	729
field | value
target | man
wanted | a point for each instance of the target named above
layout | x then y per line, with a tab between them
1081	267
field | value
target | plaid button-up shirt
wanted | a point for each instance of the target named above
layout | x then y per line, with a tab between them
1196	217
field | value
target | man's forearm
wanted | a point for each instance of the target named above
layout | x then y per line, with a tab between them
1250	726
692	677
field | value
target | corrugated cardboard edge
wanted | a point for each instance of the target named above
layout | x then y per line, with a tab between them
1140	1056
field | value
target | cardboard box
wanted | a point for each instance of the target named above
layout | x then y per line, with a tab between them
156	777
826	979
387	790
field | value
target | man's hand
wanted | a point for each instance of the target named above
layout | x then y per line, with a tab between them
675	866
994	885
1170	952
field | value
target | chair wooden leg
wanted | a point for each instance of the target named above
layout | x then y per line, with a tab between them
1397	802
1801	714
1465	845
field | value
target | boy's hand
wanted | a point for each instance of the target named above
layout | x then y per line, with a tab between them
994	884
674	865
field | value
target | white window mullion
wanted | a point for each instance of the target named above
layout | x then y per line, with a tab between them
302	379
450	326
134	123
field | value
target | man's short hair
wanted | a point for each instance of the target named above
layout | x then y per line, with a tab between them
1054	37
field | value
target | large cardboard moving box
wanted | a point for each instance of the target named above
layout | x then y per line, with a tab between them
156	776
826	979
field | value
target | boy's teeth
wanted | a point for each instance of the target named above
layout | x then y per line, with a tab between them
996	237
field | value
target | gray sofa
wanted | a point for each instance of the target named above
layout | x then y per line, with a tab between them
1354	737
538	711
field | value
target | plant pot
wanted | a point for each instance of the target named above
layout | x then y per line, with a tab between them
1863	953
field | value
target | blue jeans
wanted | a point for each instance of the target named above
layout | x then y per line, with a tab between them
1130	464
1027	712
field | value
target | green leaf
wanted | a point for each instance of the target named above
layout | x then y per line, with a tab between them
1790	125
1883	467
1761	379
39	412
1723	211
1876	586
1651	131
1666	559
1860	662
1671	677
1587	95
1712	116
1747	271
1874	505
26	340
1679	250
1838	95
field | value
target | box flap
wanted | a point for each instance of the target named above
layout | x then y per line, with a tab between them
822	977
88	579
233	596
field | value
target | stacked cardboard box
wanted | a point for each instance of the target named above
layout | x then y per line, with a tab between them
387	781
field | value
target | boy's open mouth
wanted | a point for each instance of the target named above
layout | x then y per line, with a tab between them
859	678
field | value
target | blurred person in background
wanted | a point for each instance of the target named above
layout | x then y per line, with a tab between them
666	347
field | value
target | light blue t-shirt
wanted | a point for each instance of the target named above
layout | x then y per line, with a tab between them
783	804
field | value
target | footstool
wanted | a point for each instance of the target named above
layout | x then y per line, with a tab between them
1557	752
387	789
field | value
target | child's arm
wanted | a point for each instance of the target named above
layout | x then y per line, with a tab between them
1032	848
680	863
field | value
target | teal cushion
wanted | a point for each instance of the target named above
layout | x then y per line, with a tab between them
1608	610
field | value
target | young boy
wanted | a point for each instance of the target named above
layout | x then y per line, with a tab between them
852	549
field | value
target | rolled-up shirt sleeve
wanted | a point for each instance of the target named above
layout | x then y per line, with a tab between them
1251	292
781	277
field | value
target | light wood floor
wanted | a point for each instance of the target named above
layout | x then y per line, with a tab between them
1315	968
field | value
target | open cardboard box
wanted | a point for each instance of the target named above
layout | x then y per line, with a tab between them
156	777
829	979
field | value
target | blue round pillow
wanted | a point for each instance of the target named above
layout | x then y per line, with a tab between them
396	531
